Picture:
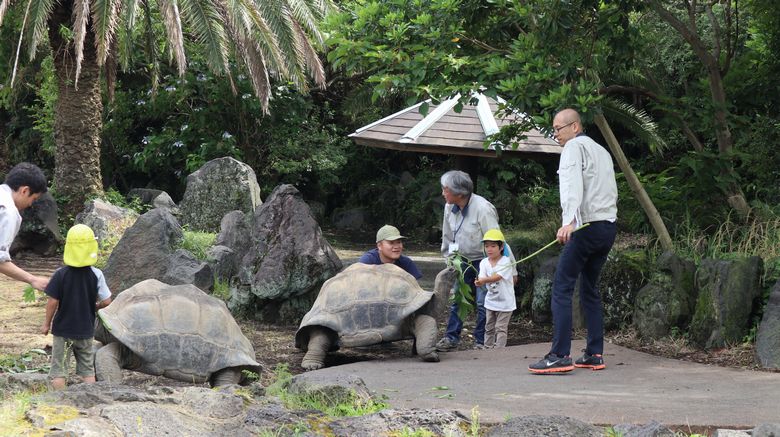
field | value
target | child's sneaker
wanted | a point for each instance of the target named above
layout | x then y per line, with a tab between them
593	362
552	363
479	346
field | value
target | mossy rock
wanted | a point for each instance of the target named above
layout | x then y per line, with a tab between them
728	294
623	275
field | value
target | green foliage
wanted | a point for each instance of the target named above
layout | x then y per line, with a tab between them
24	363
42	111
250	376
197	243
221	289
116	198
463	296
30	294
198	117
354	405
408	432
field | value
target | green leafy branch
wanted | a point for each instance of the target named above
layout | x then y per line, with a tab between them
30	294
462	296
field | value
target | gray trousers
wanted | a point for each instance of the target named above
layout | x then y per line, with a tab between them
496	327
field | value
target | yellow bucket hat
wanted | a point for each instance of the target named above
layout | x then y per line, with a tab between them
80	247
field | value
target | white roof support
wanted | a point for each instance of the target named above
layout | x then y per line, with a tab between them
429	120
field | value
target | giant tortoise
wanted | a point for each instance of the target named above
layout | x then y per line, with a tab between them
176	331
370	304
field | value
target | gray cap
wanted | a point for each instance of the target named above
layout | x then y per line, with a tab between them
388	232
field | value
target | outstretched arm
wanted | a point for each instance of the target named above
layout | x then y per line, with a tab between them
11	270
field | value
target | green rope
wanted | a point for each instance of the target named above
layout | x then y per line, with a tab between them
546	247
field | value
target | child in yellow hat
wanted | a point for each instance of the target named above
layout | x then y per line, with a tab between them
495	273
76	291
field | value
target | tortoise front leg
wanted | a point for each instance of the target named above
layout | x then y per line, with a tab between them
108	363
425	337
319	344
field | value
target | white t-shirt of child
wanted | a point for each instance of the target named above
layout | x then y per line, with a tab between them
500	295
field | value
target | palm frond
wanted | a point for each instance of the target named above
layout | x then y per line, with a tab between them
129	12
635	120
104	19
278	18
3	8
254	62
80	18
19	44
207	24
634	78
307	19
169	10
250	23
309	58
295	63
37	26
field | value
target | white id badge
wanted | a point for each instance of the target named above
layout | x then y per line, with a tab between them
453	248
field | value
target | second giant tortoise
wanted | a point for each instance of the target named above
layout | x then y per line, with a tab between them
177	331
371	304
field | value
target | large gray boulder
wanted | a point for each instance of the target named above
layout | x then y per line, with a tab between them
230	246
542	291
533	426
621	278
727	291
768	338
106	220
184	268
117	410
220	186
144	250
233	231
287	262
668	300
39	232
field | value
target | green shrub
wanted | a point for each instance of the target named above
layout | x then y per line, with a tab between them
197	243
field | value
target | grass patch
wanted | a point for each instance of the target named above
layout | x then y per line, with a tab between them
351	405
197	243
12	418
757	236
221	289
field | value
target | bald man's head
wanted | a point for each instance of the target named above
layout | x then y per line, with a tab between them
566	125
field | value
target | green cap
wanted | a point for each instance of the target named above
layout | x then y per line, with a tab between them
388	232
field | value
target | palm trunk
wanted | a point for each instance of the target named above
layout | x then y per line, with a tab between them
78	117
633	182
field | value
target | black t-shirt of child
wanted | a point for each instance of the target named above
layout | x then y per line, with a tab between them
77	289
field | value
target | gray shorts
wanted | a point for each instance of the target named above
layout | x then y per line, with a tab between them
60	356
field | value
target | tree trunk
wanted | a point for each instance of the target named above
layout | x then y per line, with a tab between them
78	119
734	195
633	182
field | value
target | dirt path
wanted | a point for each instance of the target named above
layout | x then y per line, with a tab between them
20	320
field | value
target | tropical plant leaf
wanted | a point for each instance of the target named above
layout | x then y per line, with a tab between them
80	18
637	121
104	22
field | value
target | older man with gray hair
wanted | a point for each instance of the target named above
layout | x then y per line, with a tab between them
467	216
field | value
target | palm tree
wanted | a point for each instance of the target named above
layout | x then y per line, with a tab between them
88	38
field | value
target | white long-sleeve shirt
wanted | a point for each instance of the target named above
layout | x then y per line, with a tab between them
10	221
464	228
587	182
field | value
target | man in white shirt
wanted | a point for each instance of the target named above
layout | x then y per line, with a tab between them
588	196
24	184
